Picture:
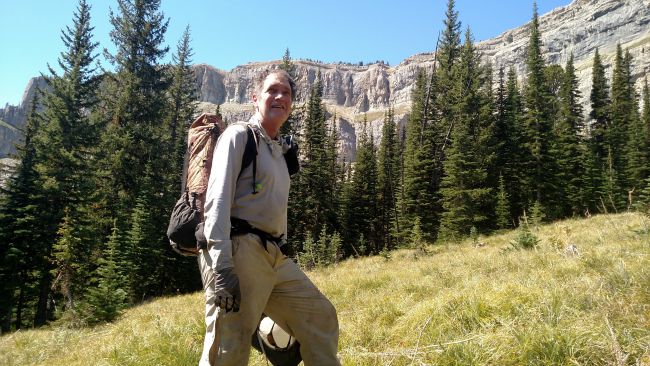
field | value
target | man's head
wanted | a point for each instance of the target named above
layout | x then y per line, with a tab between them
273	94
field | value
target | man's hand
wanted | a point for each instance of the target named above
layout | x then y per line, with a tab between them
226	286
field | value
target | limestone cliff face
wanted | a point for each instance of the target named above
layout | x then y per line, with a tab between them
358	89
9	134
579	29
13	118
351	92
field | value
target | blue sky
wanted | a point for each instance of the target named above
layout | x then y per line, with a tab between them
230	33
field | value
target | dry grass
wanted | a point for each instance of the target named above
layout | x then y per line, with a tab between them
453	305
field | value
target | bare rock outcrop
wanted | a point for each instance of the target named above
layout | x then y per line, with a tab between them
579	29
12	118
353	93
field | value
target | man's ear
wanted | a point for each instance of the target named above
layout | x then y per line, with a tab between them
254	99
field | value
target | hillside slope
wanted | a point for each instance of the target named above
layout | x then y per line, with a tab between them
449	305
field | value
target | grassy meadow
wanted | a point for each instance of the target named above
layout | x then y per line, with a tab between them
475	303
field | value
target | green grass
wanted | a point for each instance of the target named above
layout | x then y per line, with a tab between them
454	305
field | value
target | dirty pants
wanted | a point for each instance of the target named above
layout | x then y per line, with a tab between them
272	284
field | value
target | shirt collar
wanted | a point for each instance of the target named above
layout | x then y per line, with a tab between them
275	145
258	124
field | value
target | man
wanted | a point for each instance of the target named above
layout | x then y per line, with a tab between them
246	274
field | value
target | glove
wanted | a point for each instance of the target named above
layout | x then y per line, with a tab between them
226	287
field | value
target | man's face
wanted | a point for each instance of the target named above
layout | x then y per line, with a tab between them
274	100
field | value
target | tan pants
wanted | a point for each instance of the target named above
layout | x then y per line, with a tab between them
273	284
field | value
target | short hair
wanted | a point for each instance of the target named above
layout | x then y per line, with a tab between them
258	82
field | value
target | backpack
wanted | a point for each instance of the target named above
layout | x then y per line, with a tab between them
187	215
186	221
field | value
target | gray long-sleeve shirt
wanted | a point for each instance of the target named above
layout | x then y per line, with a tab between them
229	197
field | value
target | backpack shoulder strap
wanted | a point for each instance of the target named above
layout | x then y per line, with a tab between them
250	153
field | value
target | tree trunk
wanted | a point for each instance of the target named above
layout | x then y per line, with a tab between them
40	318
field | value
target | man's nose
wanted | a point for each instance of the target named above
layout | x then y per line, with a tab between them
281	94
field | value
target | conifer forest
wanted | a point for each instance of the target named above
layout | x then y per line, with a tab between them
83	217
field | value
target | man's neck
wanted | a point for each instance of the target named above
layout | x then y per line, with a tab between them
273	134
270	129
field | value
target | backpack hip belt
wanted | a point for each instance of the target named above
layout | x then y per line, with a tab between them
243	227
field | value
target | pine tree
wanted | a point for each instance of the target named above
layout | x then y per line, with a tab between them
487	141
135	104
180	274
142	259
621	105
449	51
537	124
419	198
636	148
73	258
287	65
503	148
334	174
23	270
643	203
553	81
645	118
334	247
598	132
646	105
387	179
465	188
311	204
502	206
502	132
106	297
610	186
600	102
291	126
362	220
568	147
67	263
447	55
439	103
554	201
307	257
514	165
66	149
183	98
135	145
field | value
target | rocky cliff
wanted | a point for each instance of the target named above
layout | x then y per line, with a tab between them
579	29
12	118
9	135
351	92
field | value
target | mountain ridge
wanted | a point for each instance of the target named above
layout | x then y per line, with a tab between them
352	91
